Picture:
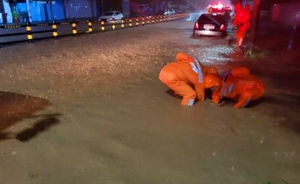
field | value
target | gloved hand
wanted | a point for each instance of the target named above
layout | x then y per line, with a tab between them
225	74
201	98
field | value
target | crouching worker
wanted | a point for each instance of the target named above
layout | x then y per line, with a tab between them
185	78
237	84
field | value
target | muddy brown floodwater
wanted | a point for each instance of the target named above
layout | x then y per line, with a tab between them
90	109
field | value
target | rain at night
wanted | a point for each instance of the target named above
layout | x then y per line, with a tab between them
150	91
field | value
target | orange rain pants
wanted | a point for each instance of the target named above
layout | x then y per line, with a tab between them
184	78
241	32
241	86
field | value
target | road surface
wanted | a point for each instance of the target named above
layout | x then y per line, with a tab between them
90	109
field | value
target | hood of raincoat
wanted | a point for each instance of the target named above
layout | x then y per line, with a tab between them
238	7
182	57
247	7
211	80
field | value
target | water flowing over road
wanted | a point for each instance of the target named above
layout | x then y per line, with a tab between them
90	109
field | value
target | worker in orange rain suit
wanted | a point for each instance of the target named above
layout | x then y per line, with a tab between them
185	78
237	8
242	20
236	83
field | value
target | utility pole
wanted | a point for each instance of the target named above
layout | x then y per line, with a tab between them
102	7
254	22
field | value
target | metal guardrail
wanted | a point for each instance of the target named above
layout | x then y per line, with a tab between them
10	34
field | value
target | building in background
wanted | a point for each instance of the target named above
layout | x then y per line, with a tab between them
126	8
44	11
5	11
147	7
81	9
15	11
285	14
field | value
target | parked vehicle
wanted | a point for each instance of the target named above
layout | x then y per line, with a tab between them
109	16
169	12
228	9
220	9
210	25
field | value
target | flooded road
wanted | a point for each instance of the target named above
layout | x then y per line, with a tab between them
97	113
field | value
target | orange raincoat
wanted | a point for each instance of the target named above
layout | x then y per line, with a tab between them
185	78
239	85
238	7
242	20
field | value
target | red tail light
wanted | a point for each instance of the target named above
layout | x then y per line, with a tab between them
196	26
222	27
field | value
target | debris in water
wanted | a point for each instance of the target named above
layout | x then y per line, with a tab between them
232	168
262	140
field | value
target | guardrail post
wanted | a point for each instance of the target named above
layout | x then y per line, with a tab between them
74	29
90	26
122	23
113	25
54	27
102	26
29	33
143	21
130	22
148	20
